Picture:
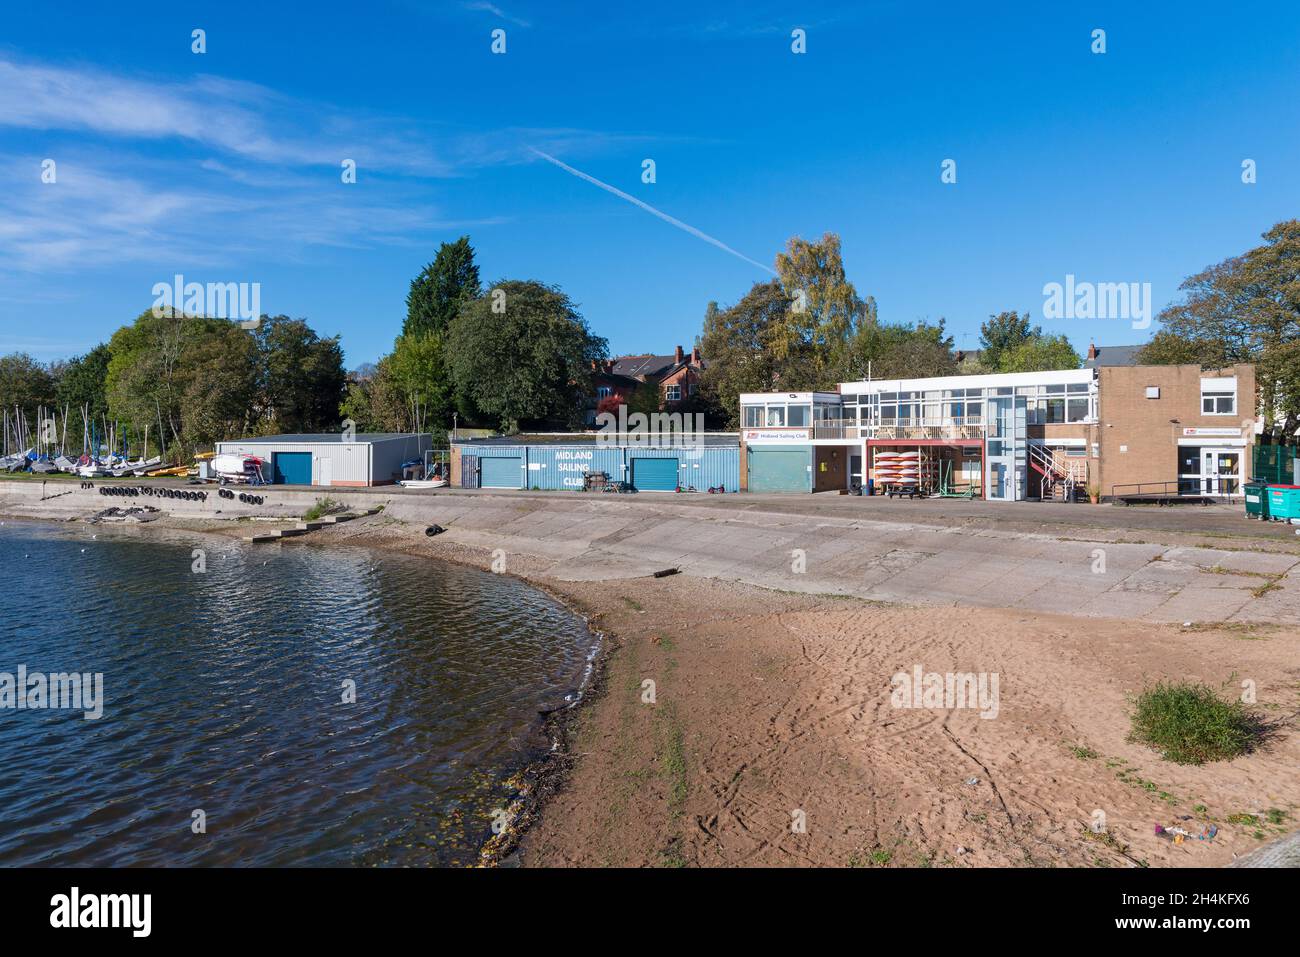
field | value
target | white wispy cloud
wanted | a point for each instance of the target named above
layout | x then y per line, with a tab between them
496	11
266	179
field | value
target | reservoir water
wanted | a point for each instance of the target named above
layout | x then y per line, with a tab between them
225	692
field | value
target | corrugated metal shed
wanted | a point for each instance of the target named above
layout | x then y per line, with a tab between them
556	467
368	459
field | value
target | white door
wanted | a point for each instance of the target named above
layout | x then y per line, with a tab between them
326	471
1220	471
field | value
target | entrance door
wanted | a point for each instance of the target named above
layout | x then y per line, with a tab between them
1220	471
855	471
1005	456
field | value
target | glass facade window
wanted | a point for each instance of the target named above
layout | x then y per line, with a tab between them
797	416
753	416
776	416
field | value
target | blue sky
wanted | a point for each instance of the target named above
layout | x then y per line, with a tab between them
224	167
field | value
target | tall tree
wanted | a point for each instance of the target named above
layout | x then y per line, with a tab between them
442	287
1002	334
1244	309
199	375
376	403
25	382
522	354
825	309
300	377
738	343
81	383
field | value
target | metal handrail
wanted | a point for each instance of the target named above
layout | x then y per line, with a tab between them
1148	488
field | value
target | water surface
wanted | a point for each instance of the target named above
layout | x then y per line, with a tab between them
224	692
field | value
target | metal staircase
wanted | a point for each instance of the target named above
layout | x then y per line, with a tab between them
1060	479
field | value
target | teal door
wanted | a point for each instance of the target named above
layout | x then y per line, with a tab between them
502	472
292	468
780	470
654	475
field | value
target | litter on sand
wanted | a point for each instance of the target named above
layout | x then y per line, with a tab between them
1179	834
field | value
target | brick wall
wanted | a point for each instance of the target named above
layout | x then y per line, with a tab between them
1138	440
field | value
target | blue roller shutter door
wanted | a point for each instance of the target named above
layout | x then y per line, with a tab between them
292	468
502	472
654	475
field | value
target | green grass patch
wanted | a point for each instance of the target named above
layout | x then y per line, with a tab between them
1190	724
323	506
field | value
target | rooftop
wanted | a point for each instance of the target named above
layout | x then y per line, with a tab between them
1111	356
321	437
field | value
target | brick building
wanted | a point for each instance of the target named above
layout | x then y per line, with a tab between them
676	377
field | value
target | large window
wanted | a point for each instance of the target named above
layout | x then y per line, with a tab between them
797	416
1057	404
673	393
753	416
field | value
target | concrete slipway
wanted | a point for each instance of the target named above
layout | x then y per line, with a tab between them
846	549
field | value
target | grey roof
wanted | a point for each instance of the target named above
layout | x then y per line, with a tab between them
652	367
643	365
1114	356
321	437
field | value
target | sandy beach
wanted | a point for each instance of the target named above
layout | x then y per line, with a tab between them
771	703
736	725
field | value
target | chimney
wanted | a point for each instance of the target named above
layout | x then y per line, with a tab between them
678	355
1092	351
695	356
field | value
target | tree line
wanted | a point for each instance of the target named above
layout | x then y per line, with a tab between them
515	355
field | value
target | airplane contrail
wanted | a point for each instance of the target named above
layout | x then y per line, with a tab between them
650	209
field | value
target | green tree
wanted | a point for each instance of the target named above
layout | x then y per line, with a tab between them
1001	335
301	380
825	309
1040	354
197	374
81	383
442	287
898	350
1170	348
25	382
375	403
738	343
1244	309
419	372
528	365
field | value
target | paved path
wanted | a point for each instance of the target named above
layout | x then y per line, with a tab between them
1173	564
870	555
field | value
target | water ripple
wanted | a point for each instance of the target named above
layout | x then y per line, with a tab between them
223	692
